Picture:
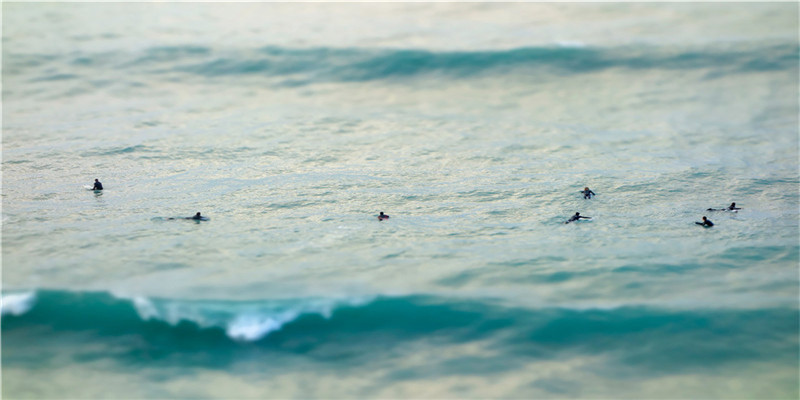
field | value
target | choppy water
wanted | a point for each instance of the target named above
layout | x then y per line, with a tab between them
474	126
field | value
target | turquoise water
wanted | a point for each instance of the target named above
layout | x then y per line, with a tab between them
474	126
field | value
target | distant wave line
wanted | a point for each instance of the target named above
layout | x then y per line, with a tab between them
321	64
367	65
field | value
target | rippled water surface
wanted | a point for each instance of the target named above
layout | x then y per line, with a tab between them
474	126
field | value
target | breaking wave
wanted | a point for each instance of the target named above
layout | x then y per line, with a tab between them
638	334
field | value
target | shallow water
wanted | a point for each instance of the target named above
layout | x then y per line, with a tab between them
474	126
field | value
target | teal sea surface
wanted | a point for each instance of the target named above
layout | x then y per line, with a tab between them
474	126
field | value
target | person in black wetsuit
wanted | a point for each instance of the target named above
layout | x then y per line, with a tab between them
706	222
382	216
587	194
576	217
196	217
731	207
97	185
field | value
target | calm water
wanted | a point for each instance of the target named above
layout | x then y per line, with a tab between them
474	126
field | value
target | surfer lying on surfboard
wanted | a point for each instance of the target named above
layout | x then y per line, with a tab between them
576	217
731	207
196	217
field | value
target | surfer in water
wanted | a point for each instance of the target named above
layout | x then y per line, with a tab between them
197	217
576	217
706	223
97	185
587	194
731	207
382	216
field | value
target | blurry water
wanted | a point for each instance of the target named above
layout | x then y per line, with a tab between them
474	126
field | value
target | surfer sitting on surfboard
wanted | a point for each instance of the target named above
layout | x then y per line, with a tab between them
706	223
587	194
97	185
576	217
382	216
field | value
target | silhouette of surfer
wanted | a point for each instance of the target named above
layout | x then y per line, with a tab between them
97	185
731	207
587	194
576	217
706	223
196	217
382	216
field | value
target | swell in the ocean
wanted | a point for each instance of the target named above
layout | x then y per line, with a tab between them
315	65
653	338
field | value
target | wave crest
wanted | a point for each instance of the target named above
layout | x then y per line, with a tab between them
354	329
17	303
241	320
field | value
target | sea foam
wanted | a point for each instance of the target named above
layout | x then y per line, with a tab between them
241	320
17	303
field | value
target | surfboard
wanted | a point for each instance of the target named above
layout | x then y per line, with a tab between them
582	219
179	218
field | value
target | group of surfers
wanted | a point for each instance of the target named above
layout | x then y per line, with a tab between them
587	194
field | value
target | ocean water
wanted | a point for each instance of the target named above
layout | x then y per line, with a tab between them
474	126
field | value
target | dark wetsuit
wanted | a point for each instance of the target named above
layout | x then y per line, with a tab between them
587	194
706	222
576	217
196	217
97	185
731	207
382	216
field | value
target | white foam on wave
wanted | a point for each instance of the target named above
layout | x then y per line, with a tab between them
254	327
242	321
144	307
174	311
17	303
